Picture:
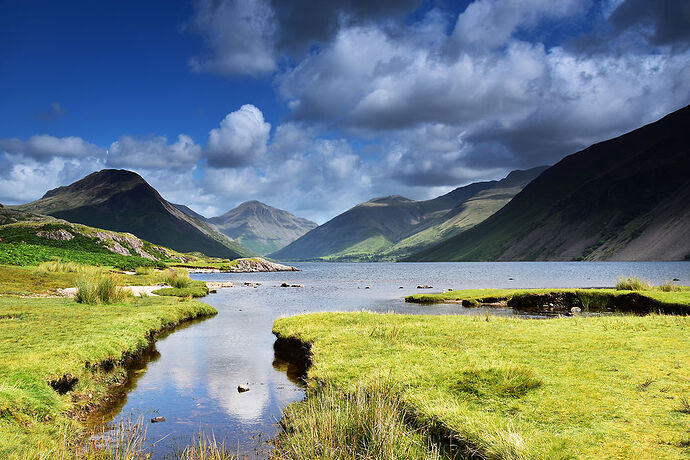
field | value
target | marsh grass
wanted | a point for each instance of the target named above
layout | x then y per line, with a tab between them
632	283
100	289
178	279
684	405
205	447
144	271
368	422
668	286
512	388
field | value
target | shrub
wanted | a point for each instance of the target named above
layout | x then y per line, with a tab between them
633	283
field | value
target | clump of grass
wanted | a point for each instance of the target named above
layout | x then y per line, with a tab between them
368	423
103	289
144	270
205	448
385	332
498	382
632	283
684	405
60	266
668	286
178	279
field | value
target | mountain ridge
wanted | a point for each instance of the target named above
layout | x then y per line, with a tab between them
123	201
593	204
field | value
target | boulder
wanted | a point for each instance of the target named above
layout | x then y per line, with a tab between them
242	388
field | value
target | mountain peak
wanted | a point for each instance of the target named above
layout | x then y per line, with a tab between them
389	199
121	179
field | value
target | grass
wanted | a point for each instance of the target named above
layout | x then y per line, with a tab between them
507	388
144	271
48	345
367	423
195	289
676	299
633	283
102	289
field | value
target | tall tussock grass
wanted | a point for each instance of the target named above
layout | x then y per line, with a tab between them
632	283
178	279
368	423
100	289
58	266
144	270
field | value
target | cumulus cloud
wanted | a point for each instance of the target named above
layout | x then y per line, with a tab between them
153	152
249	37
660	22
240	140
44	147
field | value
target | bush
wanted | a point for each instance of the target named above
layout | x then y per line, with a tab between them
633	283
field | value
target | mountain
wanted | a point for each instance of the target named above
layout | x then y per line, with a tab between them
261	228
392	227
122	201
627	198
190	212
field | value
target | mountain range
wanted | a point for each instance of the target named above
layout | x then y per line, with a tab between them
627	198
392	227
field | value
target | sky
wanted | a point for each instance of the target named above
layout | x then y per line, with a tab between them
315	106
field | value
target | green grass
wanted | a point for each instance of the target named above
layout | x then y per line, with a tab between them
677	299
59	340
194	289
101	289
633	283
507	388
368	423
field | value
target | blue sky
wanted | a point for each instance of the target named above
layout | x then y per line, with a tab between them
315	106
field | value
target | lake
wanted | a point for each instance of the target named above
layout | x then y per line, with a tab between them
192	378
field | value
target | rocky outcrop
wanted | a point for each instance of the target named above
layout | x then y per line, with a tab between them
115	243
259	265
62	235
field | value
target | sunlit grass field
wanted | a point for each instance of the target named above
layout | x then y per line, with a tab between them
576	387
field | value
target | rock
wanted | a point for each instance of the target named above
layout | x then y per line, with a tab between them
212	291
297	285
367	287
426	286
242	388
575	310
285	285
676	279
157	419
400	287
511	279
62	235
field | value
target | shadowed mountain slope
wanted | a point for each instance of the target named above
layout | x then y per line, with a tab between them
627	198
122	201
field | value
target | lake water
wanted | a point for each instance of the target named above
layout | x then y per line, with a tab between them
192	379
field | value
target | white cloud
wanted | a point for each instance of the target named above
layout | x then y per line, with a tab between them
240	140
154	152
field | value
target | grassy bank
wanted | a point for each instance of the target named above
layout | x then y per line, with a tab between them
649	300
579	387
58	358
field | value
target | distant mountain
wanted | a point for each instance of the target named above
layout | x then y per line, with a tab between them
392	227
627	198
261	228
190	212
122	201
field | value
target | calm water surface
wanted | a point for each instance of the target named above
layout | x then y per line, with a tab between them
192	378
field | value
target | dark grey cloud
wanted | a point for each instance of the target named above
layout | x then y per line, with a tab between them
662	22
302	23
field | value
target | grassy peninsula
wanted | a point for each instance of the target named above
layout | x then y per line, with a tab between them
508	388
